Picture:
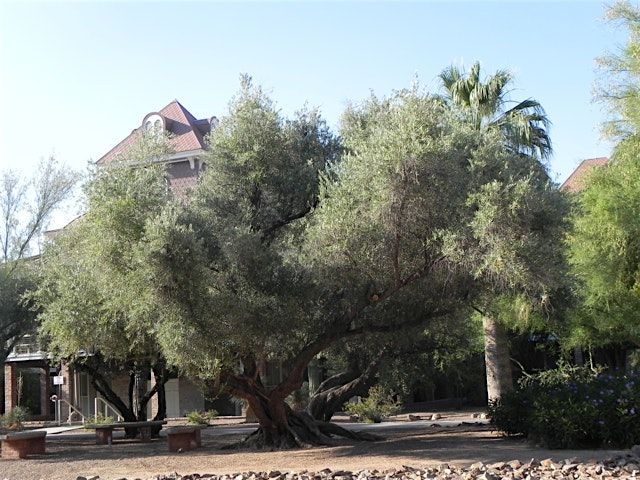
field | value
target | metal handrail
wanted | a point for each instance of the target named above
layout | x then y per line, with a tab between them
107	405
72	410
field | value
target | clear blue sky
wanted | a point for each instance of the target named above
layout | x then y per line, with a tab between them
78	77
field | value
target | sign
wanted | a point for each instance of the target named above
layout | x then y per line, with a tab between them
58	380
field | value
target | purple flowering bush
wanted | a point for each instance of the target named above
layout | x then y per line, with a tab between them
573	407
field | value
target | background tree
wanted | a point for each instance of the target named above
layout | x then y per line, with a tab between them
604	252
95	310
26	207
422	206
605	242
524	128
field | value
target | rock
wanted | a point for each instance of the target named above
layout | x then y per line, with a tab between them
630	467
436	416
570	469
80	477
340	473
475	415
413	418
515	464
483	416
488	476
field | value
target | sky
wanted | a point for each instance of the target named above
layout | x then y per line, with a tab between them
77	77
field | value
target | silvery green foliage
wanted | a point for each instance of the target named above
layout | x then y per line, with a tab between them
283	243
93	295
420	184
226	267
27	204
26	207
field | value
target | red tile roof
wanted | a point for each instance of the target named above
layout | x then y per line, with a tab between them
575	181
187	132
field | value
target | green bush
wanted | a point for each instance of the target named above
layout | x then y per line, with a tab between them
101	419
201	418
13	419
378	405
573	407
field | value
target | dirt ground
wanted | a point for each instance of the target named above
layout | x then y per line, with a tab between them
415	444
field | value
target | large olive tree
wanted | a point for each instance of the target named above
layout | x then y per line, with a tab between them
285	248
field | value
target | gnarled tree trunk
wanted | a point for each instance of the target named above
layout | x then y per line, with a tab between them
279	426
335	391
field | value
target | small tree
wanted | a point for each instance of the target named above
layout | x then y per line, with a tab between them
95	309
26	207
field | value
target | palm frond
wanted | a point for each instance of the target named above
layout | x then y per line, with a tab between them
524	126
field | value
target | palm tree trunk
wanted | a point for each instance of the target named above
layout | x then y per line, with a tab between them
497	360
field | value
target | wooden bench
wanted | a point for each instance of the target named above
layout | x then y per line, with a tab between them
185	437
104	433
22	444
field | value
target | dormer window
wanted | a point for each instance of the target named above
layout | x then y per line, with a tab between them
153	124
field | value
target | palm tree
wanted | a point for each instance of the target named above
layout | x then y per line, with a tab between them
525	130
525	126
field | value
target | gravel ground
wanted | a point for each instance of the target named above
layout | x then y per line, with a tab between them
413	443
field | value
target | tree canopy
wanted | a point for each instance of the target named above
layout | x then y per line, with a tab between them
294	240
286	248
96	310
604	245
26	207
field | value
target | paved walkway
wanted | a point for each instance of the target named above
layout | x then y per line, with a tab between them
219	430
58	430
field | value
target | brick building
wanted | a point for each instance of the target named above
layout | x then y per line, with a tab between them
574	182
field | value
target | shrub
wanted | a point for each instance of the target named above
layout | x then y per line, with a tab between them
101	419
13	419
201	418
378	405
573	407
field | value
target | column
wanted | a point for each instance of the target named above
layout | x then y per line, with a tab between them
44	391
66	390
10	400
154	399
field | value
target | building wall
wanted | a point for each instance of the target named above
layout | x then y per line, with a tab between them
120	385
182	177
191	398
